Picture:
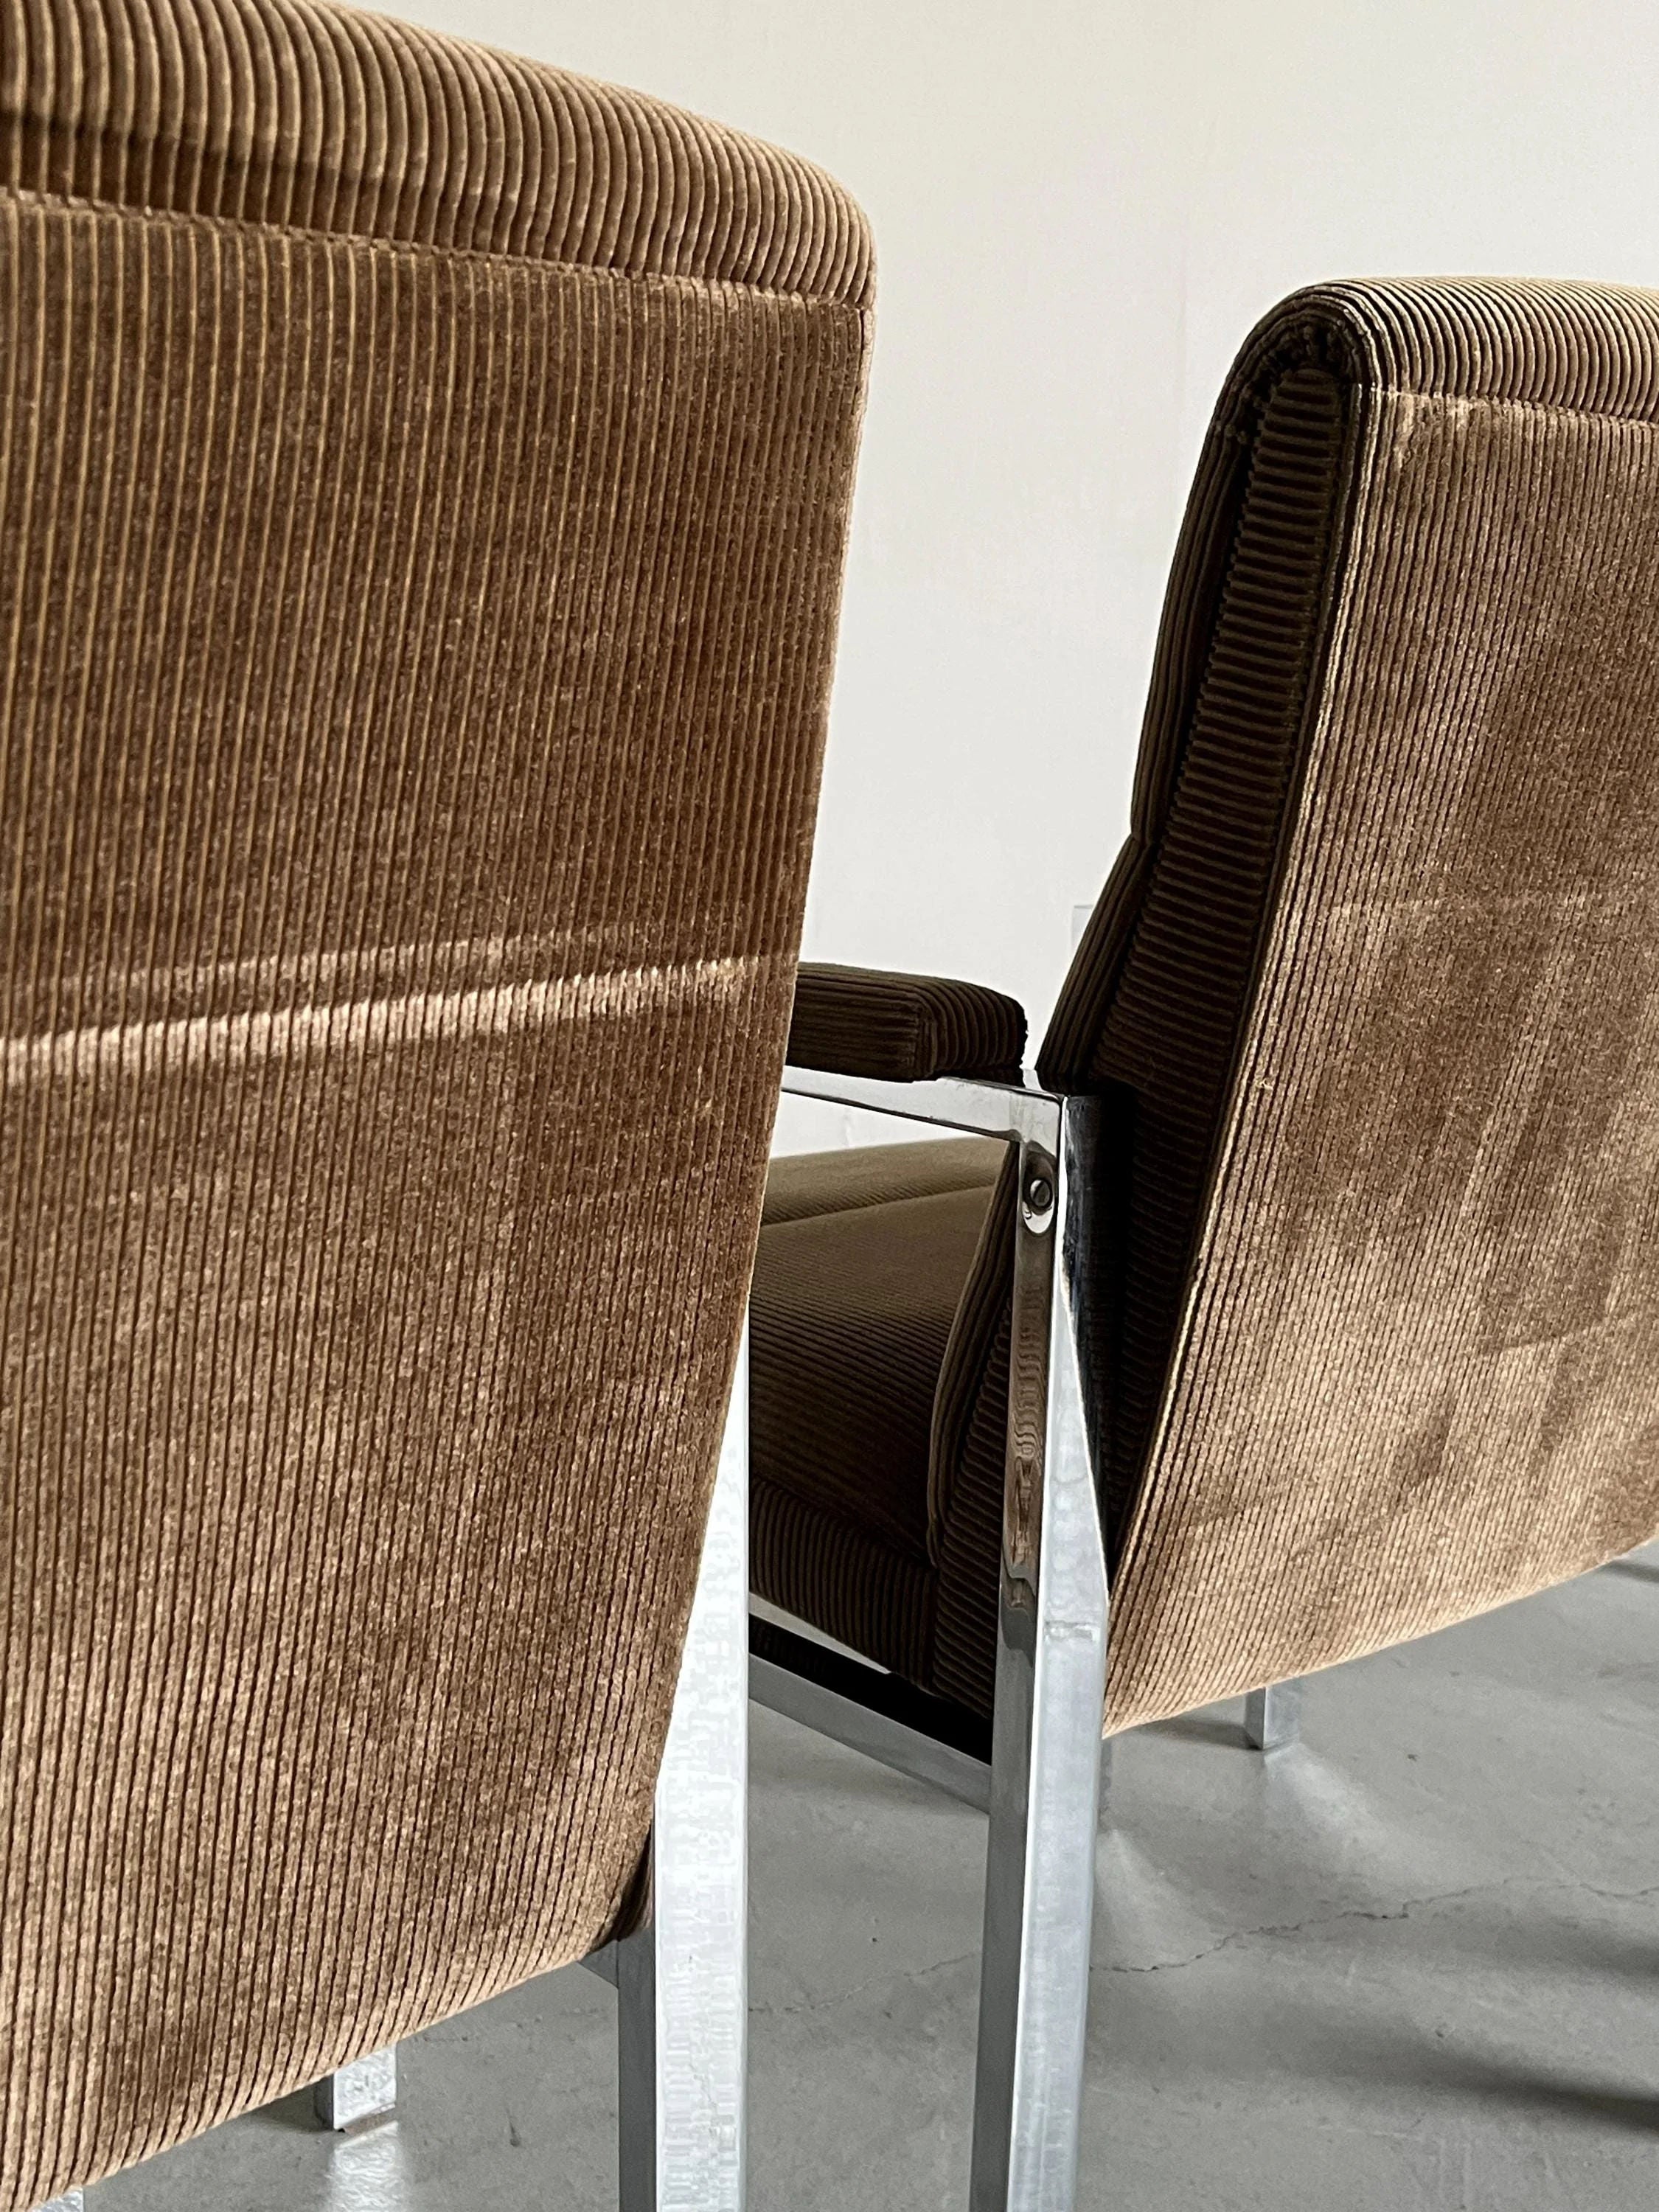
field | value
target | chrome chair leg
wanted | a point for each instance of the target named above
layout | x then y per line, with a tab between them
1273	1718
366	2089
1046	1749
75	2202
681	1983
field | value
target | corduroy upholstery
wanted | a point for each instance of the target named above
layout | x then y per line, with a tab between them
1371	993
864	1255
903	1029
423	485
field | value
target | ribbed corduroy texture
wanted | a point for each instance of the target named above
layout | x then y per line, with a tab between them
413	667
903	1029
1174	1031
863	1256
1373	998
1416	1369
821	1566
328	118
1180	986
800	1186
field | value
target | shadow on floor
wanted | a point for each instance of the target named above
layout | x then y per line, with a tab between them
297	2112
1438	2069
1207	1727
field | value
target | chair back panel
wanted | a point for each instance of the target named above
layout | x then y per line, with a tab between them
1401	794
415	643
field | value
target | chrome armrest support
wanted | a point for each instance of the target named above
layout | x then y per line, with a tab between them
1051	1641
1019	1112
1050	1688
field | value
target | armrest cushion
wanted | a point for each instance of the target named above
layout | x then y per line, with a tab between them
903	1029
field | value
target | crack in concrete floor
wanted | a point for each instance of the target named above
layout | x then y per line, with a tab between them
1502	1886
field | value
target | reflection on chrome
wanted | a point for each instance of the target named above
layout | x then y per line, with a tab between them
368	2172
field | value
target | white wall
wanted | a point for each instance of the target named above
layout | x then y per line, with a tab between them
1079	211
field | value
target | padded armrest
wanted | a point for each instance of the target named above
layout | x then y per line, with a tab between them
903	1029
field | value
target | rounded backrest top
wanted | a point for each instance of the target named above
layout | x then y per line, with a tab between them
307	115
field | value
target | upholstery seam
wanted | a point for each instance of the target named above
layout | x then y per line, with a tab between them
426	249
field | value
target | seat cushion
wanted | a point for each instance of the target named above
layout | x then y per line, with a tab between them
802	1184
863	1257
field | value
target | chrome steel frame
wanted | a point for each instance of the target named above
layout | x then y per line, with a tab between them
682	1978
872	1712
1273	1716
828	1697
1051	1649
75	2202
365	2090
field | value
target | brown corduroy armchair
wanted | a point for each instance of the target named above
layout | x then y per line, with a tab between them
1309	1294
424	488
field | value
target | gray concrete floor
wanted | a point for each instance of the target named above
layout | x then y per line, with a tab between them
1414	1962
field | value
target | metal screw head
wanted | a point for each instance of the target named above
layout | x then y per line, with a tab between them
1039	1193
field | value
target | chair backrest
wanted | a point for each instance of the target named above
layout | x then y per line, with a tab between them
1379	966
423	484
1374	990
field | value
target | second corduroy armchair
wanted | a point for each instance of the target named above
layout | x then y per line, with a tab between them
1308	1295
